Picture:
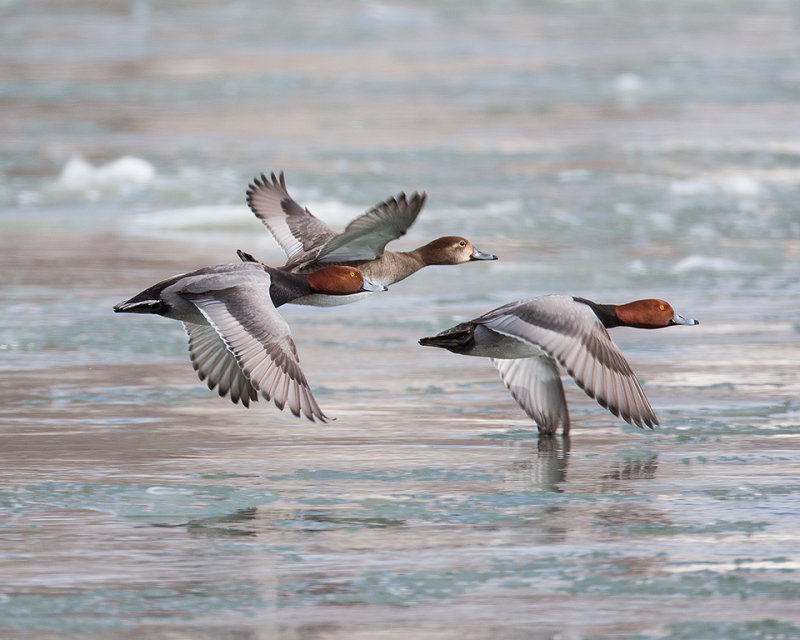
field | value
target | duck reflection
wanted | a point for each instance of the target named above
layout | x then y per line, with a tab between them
240	523
632	469
543	466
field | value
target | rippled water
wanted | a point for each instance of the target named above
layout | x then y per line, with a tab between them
613	150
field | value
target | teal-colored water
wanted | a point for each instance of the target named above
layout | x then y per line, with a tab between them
613	150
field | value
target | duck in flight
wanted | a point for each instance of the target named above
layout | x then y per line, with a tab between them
309	243
527	338
238	341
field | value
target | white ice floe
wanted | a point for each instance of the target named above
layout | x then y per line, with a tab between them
637	267
689	188
709	264
741	186
735	185
630	89
124	172
204	217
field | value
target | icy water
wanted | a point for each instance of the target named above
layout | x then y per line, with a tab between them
612	150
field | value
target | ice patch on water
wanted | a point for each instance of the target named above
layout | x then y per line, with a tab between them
566	218
637	267
689	188
232	218
661	221
29	198
630	89
709	264
504	208
202	217
741	186
733	185
124	172
166	491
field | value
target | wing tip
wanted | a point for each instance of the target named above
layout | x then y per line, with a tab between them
261	182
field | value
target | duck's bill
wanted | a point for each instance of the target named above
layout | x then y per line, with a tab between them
477	254
676	319
371	286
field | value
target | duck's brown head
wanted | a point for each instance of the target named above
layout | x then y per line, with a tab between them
340	281
452	250
650	314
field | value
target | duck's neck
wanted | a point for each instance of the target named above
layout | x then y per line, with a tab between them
607	313
285	287
393	266
420	256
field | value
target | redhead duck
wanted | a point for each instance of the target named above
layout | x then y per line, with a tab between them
525	338
309	243
237	339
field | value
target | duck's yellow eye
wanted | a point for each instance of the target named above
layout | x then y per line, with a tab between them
353	275
661	307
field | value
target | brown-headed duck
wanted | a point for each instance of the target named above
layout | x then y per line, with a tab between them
526	338
309	243
237	339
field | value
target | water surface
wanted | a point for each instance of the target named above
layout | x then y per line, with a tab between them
611	150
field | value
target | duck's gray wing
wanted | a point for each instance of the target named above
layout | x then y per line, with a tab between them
572	334
299	233
260	340
365	237
216	365
535	383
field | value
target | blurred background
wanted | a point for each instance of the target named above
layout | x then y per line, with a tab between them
612	149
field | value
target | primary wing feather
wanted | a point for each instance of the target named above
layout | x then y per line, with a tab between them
260	340
299	233
535	384
217	365
366	236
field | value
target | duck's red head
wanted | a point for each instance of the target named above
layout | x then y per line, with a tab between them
340	281
650	314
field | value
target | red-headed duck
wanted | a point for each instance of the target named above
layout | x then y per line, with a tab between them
237	339
309	243
525	338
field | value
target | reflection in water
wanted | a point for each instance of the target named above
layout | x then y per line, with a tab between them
237	524
635	467
543	468
336	520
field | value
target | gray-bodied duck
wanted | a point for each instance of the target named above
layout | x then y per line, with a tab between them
238	341
525	339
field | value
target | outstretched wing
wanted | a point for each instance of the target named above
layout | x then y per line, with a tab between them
215	364
572	334
365	237
535	383
260	340
299	233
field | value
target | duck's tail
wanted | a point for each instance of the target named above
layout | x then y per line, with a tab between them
456	339
142	304
148	301
245	257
